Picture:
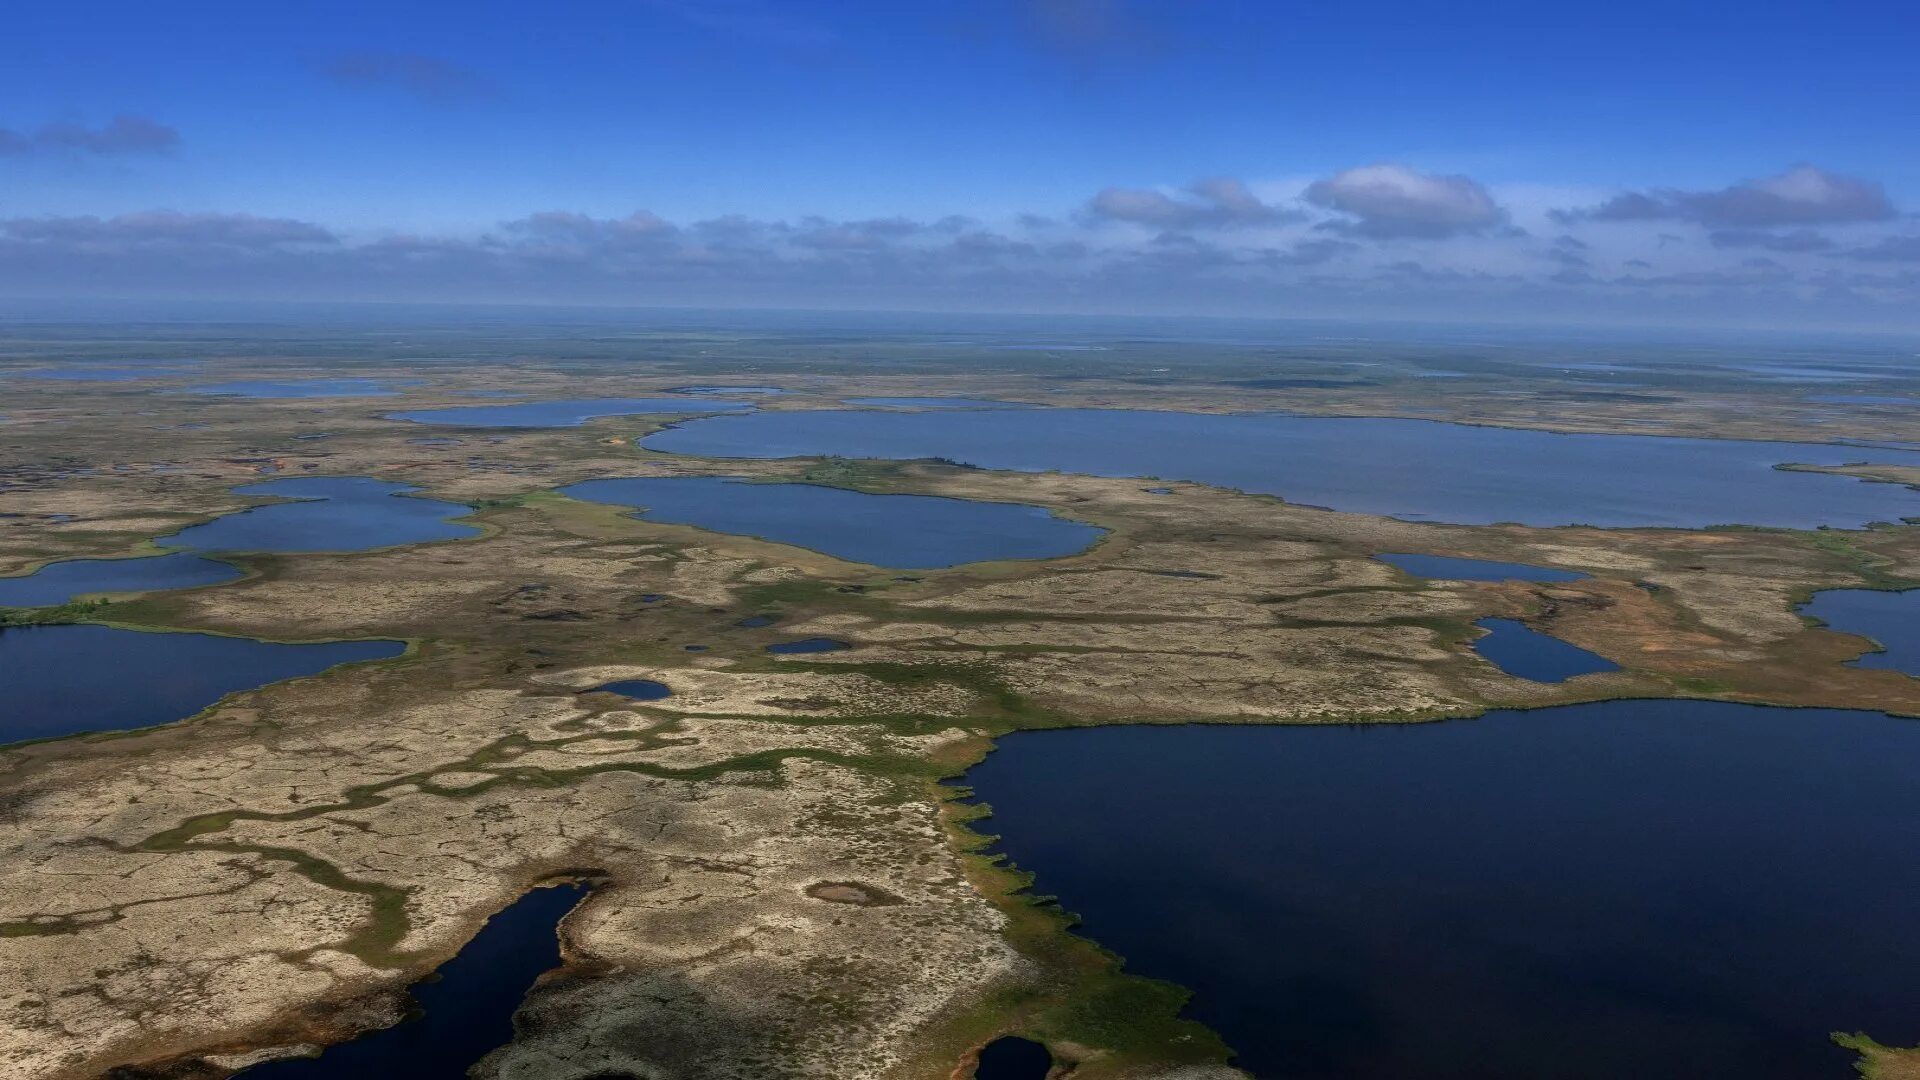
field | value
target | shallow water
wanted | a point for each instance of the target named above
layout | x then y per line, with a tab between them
465	1011
336	513
1656	889
303	388
1526	653
896	531
1890	618
58	583
1411	469
54	684
1449	568
552	414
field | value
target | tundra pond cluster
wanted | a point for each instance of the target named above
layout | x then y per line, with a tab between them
669	717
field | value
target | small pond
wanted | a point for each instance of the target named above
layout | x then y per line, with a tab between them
1414	469
554	414
464	1011
1449	568
1890	618
896	531
70	679
1656	889
1526	653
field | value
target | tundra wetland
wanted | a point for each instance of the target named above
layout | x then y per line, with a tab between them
783	874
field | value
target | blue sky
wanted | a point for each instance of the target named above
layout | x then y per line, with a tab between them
356	150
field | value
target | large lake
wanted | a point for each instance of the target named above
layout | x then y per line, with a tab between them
906	532
1658	889
1413	469
65	680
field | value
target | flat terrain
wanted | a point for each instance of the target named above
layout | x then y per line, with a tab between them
784	887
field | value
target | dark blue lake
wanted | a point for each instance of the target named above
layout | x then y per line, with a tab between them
549	414
1449	568
1411	469
897	531
303	388
1890	618
334	513
1522	651
1635	889
57	583
64	680
464	1012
